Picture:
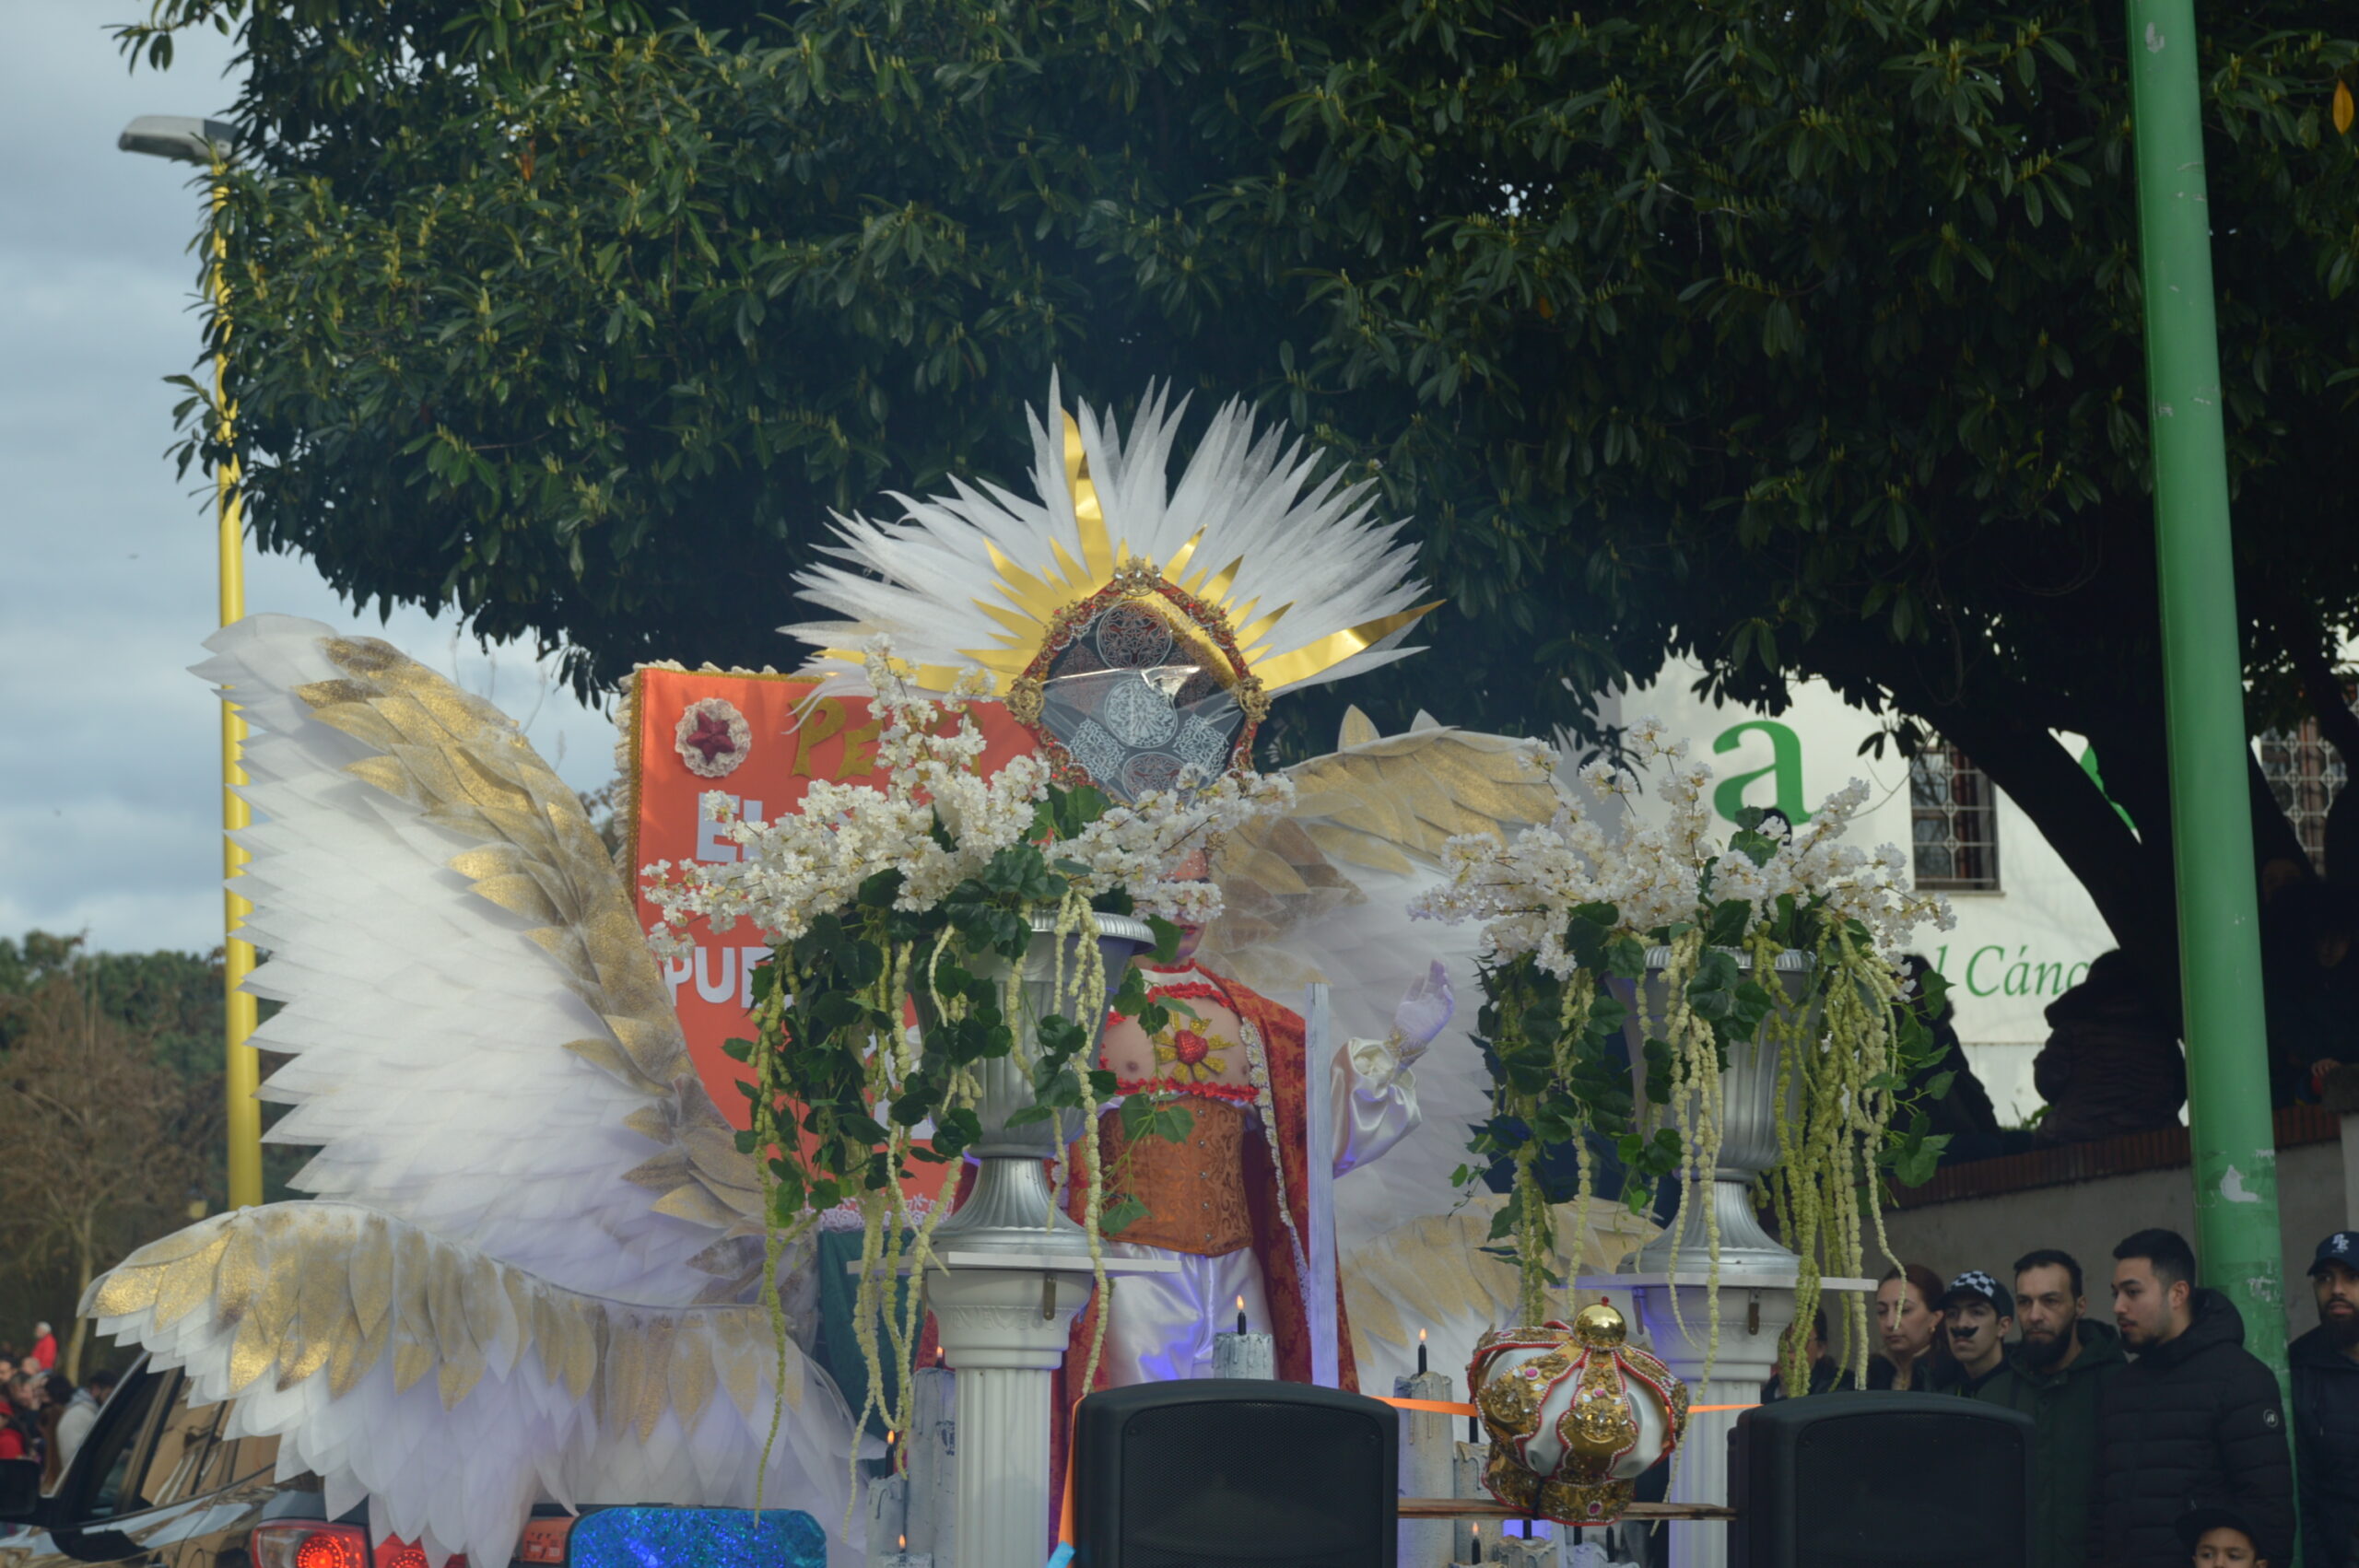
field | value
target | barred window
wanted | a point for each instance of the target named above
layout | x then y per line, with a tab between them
2306	776
1956	822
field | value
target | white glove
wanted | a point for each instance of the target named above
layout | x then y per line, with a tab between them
1423	1012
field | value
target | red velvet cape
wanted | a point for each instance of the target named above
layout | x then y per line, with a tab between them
1282	1047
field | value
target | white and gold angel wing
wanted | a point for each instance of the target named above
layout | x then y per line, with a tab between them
486	1060
482	1043
452	1390
1323	895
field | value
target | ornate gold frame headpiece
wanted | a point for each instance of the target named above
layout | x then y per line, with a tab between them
984	579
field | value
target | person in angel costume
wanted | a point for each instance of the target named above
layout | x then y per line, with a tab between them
1139	634
531	1263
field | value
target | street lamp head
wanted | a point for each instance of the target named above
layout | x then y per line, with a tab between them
180	137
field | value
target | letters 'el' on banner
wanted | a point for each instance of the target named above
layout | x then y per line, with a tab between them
757	738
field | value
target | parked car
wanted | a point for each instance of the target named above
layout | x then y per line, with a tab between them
158	1484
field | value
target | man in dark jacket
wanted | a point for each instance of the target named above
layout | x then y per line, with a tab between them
1976	1313
2325	1408
2057	1375
2194	1421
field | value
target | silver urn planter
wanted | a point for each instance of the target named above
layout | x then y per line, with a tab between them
1011	1208
1748	1124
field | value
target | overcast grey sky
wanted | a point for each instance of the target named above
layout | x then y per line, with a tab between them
108	749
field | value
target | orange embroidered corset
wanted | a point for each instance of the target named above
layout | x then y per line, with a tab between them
1194	1190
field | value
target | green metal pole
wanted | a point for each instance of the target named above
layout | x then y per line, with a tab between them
2233	1140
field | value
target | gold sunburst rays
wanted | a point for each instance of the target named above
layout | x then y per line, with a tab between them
1027	600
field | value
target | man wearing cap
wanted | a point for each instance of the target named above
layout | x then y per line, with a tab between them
1976	1313
2326	1407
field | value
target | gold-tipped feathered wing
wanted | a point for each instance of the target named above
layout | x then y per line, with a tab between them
465	769
349	1334
532	1251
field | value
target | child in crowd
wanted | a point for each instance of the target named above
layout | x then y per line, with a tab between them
2219	1539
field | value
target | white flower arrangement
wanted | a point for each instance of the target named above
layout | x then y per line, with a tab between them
939	821
1656	877
875	900
1568	914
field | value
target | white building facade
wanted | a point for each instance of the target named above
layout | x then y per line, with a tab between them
2025	927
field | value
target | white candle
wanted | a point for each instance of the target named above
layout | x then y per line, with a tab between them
1245	1355
887	1517
905	1558
1428	1454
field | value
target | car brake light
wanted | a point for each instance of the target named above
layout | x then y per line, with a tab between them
544	1539
303	1543
398	1553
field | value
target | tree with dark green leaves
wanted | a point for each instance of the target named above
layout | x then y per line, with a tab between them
170	999
1801	340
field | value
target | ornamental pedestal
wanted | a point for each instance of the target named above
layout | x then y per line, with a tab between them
1012	1271
1668	1284
1003	1331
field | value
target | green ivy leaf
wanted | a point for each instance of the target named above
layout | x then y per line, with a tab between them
1168	937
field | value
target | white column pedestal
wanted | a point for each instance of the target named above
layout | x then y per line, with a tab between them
1004	1319
1004	1332
1755	1311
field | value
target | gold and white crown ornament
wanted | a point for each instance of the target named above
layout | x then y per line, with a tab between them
1575	1415
1138	627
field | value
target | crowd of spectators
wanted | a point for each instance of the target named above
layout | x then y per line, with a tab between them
43	1416
2158	1439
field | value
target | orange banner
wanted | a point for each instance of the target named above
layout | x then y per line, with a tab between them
762	747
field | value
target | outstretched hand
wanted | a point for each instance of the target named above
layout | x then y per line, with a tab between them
1423	1012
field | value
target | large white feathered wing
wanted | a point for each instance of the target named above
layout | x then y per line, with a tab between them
453	1391
1323	894
533	1245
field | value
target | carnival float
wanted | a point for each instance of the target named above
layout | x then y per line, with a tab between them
1172	1043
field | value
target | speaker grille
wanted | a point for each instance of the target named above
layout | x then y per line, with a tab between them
1950	1490
1248	1481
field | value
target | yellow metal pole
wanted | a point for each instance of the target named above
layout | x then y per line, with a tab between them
243	1066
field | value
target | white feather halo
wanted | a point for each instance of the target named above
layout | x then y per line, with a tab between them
1311	587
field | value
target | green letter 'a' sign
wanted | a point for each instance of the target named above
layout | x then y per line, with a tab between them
1785	762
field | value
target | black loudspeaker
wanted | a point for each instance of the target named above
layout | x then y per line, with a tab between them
1868	1481
1218	1471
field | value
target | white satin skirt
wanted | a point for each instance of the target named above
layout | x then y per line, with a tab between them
1161	1327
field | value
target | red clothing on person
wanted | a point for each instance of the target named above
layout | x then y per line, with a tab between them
12	1442
1281	1030
44	1354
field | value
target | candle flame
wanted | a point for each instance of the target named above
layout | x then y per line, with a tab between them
889	1435
1421	1336
905	1545
1240	1303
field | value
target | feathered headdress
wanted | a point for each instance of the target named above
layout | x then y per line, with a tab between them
1138	628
